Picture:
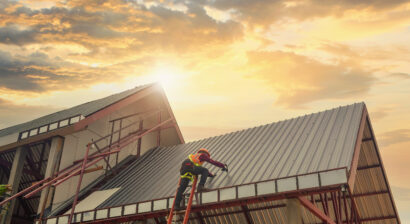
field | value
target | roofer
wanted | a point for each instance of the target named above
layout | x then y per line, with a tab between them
192	167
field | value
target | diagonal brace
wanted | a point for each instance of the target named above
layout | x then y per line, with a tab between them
315	210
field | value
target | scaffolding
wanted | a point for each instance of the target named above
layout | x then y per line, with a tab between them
116	142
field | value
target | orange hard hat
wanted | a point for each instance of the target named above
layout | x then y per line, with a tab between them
204	151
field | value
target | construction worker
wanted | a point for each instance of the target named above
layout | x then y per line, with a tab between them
192	167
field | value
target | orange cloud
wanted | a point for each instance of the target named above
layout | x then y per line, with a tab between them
299	80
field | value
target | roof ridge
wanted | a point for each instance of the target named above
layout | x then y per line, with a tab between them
274	122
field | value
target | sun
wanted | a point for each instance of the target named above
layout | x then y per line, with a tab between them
168	76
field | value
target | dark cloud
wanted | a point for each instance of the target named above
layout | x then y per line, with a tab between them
140	27
266	12
38	73
14	35
299	80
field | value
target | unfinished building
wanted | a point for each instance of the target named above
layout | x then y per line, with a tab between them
117	160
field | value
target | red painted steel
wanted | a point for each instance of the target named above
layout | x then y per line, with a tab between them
220	205
191	197
335	207
74	171
103	154
345	207
79	184
356	216
356	154
382	167
315	210
237	202
171	214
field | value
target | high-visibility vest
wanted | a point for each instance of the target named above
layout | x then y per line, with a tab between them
195	159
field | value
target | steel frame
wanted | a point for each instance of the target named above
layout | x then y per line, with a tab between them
78	169
200	206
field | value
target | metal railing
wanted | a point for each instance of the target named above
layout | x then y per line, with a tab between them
305	182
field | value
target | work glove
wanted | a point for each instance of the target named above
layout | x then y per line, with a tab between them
225	168
211	174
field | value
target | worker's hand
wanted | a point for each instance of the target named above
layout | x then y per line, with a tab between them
8	187
211	174
225	168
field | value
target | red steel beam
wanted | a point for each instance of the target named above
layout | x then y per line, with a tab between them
315	210
345	207
246	214
191	197
370	193
80	179
74	171
379	218
220	205
368	167
382	168
356	154
119	144
171	213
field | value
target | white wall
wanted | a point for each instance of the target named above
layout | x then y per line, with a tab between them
8	139
75	144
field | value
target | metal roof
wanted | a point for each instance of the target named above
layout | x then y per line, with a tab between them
85	109
310	143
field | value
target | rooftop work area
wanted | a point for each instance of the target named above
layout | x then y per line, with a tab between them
323	167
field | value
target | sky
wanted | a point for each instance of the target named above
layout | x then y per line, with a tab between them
224	64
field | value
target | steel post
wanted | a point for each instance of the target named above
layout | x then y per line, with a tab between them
79	184
191	197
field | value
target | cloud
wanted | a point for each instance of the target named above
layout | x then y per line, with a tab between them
133	25
39	73
14	35
12	114
298	80
394	137
266	12
400	75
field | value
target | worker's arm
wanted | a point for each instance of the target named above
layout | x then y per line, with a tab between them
206	158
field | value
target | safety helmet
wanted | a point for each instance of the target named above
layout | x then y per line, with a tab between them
204	151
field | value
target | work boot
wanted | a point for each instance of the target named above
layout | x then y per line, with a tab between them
201	188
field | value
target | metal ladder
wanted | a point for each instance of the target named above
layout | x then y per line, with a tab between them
188	208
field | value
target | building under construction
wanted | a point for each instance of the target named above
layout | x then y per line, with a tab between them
117	160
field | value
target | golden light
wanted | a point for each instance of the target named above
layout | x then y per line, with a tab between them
168	76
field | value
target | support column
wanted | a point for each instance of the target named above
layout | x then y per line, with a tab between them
293	211
54	155
14	180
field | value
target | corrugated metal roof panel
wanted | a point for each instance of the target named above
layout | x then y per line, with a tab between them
309	143
85	109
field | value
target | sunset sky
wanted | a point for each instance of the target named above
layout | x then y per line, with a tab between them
224	64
